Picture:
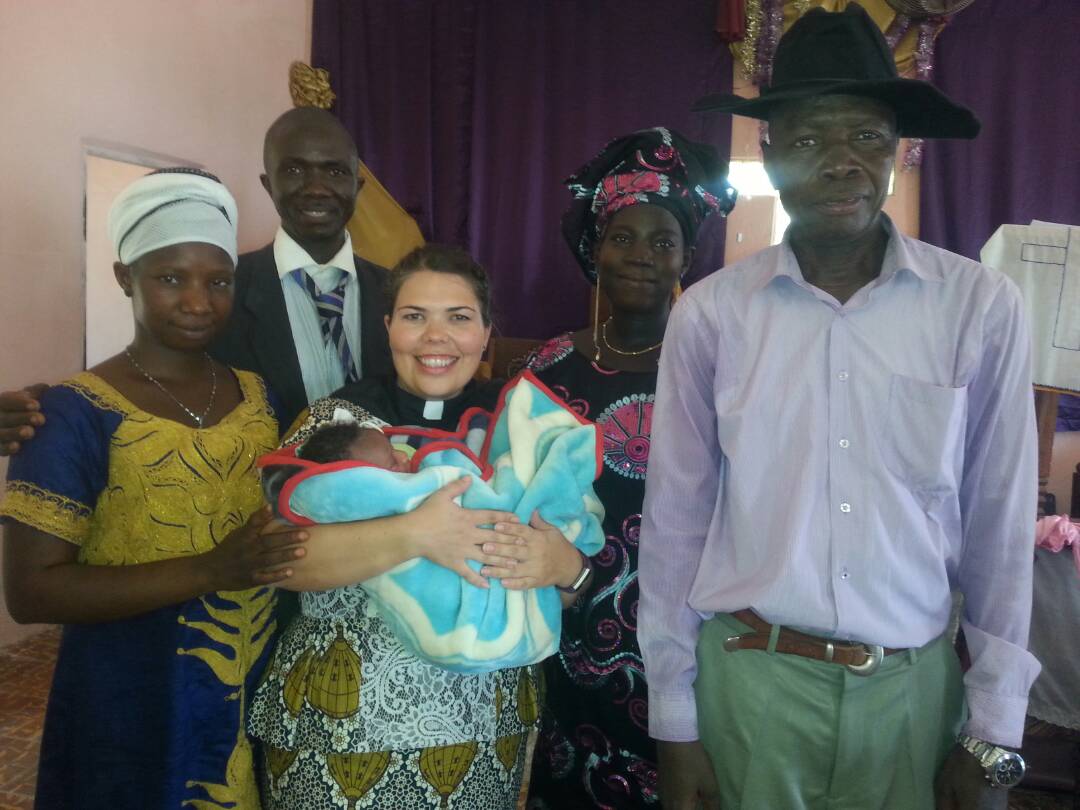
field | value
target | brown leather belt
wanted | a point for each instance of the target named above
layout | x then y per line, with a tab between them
860	659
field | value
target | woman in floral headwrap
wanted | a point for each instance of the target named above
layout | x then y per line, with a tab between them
632	225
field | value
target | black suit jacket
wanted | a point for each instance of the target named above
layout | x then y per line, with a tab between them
258	336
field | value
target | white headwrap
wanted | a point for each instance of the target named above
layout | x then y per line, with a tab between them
169	207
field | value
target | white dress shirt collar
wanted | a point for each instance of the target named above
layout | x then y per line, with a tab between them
289	256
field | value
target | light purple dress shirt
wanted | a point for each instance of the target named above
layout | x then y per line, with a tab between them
842	469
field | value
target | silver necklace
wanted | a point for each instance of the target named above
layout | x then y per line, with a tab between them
198	420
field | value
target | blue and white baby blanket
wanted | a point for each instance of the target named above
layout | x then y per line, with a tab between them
531	453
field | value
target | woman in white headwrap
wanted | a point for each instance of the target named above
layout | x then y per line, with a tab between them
132	520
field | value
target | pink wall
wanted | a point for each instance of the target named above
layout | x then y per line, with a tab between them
200	80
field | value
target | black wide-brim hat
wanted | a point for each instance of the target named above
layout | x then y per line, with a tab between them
845	53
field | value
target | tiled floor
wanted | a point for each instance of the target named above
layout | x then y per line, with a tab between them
26	672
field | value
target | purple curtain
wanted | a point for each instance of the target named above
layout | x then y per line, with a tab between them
1015	65
472	112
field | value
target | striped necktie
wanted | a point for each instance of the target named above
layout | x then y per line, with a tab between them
331	307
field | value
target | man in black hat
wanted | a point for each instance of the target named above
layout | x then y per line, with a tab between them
797	657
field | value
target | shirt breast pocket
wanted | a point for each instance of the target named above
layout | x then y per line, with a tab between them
923	435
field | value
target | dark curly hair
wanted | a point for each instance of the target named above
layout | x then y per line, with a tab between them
330	442
441	259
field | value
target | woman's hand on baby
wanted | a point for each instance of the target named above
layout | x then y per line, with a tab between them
258	553
533	556
449	534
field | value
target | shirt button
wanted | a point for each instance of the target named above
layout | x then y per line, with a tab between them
845	507
844	443
842	376
844	573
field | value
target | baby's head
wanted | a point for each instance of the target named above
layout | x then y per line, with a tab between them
349	441
335	441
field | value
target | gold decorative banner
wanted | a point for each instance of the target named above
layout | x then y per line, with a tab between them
909	34
745	51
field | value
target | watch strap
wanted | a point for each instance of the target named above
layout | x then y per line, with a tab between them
581	578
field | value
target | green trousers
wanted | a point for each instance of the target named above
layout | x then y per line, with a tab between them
790	733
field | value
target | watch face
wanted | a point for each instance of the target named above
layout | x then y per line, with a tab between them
1007	771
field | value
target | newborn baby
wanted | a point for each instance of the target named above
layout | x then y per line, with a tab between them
532	454
332	442
349	441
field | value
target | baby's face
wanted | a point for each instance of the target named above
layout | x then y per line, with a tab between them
374	447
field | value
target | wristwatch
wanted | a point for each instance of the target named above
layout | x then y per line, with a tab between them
1004	768
580	579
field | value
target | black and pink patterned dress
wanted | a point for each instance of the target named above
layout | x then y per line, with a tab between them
594	748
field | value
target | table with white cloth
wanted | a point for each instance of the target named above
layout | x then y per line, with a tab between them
1055	639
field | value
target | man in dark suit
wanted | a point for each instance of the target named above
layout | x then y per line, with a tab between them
311	174
276	330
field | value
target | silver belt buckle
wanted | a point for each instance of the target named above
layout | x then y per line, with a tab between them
875	654
731	643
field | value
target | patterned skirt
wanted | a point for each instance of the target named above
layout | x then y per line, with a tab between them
340	687
467	776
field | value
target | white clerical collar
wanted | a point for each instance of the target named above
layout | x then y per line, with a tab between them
289	256
433	409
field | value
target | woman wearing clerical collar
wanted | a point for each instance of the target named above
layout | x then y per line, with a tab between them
346	711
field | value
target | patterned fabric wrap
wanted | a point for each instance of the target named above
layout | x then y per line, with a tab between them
469	775
537	454
149	711
656	166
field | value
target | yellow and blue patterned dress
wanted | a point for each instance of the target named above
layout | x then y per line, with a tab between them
149	711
